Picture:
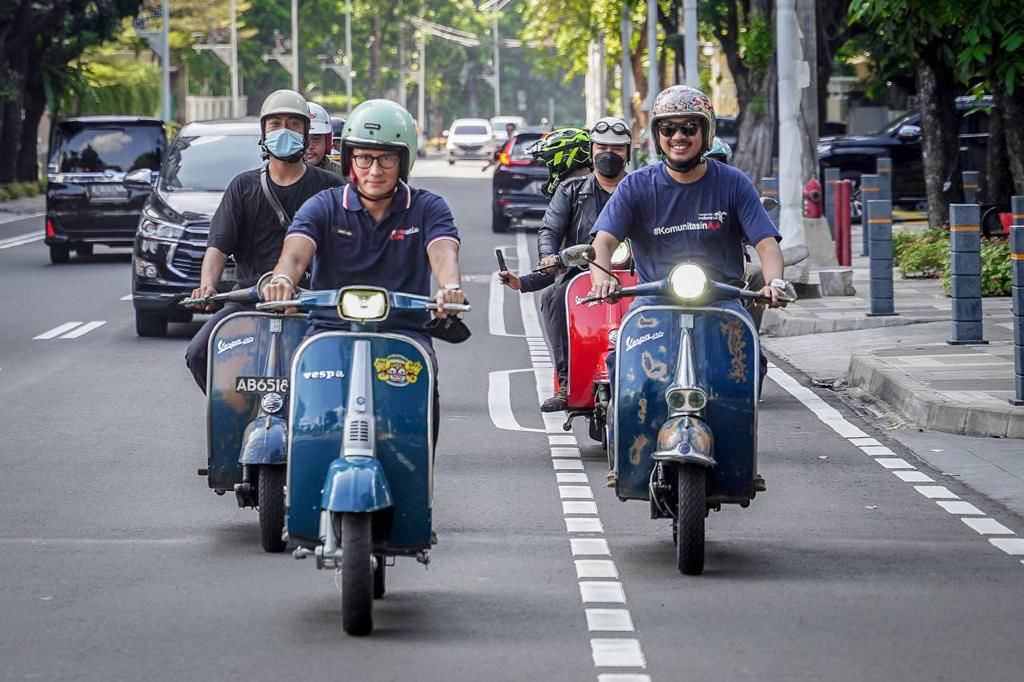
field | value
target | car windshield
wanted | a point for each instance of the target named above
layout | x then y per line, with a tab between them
207	163
470	130
82	147
897	124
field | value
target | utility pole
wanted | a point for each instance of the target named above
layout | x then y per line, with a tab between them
295	45
690	43
626	37
165	58
652	53
421	103
348	57
401	68
790	147
235	113
808	81
497	70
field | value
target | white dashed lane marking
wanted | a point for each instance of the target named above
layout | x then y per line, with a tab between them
969	514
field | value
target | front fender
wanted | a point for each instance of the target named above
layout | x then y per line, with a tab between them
686	439
356	484
265	441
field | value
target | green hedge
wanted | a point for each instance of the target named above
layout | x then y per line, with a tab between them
926	255
19	190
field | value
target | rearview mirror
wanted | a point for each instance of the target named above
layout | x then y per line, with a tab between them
140	179
909	132
578	256
769	203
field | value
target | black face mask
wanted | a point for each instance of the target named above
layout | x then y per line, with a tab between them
609	164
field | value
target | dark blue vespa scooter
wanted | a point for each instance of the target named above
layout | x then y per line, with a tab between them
247	388
685	402
360	452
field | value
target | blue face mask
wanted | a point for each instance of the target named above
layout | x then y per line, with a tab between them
283	143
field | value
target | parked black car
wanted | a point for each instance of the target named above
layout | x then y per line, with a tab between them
518	179
855	155
87	202
171	237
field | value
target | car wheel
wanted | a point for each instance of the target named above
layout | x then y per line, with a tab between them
150	324
451	161
499	223
59	253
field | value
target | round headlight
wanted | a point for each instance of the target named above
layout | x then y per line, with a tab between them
272	402
697	400
621	254
688	281
613	336
676	400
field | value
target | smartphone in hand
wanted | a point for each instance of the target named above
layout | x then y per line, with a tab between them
501	260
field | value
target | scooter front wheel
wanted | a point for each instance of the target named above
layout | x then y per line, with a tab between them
271	504
357	574
690	515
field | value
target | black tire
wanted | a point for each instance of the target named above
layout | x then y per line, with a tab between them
499	223
270	499
379	575
451	162
84	249
356	574
150	324
690	514
59	253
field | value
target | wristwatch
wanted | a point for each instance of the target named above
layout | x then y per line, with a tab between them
452	287
778	284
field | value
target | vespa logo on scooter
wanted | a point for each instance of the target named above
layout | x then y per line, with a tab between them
224	346
580	299
632	343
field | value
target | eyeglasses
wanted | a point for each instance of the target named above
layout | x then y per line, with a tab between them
617	128
365	161
688	128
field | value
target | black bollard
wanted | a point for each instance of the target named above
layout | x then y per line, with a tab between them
879	227
831	178
1017	266
870	190
970	180
965	262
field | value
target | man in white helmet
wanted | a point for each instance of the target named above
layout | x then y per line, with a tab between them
320	139
571	214
256	209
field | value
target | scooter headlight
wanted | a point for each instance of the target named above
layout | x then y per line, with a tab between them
686	400
621	254
363	304
688	281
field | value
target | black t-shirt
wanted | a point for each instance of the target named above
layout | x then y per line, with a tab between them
602	197
246	226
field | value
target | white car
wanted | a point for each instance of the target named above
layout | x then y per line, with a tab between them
470	138
498	124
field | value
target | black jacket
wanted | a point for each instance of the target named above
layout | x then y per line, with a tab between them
572	212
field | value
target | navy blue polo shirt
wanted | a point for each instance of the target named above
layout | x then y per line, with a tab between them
353	249
705	221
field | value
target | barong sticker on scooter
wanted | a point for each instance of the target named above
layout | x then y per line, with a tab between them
224	346
397	370
737	349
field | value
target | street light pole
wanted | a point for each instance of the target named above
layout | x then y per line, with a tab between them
497	70
690	43
295	44
348	57
166	59
421	103
234	60
652	53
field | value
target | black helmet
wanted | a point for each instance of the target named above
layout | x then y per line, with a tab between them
337	125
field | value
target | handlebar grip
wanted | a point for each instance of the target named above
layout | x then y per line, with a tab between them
452	307
278	305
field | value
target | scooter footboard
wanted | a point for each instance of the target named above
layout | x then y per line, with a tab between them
240	346
726	355
402	397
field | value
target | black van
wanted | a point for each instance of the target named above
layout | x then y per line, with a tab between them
87	201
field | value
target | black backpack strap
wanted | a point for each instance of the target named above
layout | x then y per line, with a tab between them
272	199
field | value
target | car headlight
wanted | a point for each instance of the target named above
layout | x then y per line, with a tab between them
621	254
156	229
688	281
363	304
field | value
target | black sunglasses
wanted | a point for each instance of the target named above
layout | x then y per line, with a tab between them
617	128
688	128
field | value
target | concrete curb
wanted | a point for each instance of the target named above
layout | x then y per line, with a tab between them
930	409
778	323
25	205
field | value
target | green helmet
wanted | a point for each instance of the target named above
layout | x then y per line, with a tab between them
380	124
564	152
720	150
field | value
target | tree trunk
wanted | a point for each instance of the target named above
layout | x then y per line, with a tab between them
10	137
758	124
371	75
28	151
996	185
1012	107
940	145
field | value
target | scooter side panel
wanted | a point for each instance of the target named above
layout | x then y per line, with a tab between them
240	346
726	355
403	388
588	325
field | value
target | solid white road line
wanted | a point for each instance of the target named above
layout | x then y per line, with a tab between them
20	216
84	329
499	401
58	330
21	240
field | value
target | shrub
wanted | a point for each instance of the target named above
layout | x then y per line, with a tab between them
921	254
996	269
19	190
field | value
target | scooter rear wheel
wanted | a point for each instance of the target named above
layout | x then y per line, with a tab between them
690	515
356	574
271	505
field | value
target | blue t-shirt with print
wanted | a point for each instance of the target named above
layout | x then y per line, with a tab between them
353	249
705	222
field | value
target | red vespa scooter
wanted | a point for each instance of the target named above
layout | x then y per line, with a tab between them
593	330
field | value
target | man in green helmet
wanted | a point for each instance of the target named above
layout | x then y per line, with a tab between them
377	230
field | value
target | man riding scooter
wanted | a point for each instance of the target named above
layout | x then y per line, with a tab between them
254	214
687	208
576	203
376	231
320	136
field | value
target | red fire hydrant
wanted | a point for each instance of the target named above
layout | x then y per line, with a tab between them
812	199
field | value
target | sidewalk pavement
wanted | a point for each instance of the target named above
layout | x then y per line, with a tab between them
26	205
952	401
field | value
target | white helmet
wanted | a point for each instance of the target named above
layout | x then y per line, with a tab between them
319	120
612	130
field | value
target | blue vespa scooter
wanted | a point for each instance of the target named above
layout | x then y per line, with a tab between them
360	451
685	401
247	387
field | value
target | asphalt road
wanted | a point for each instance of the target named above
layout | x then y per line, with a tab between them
117	563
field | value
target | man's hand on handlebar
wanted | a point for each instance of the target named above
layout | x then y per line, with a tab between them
768	291
280	289
604	288
203	291
447	295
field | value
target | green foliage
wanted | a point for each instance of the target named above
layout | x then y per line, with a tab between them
990	45
113	84
19	190
757	46
926	255
336	105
